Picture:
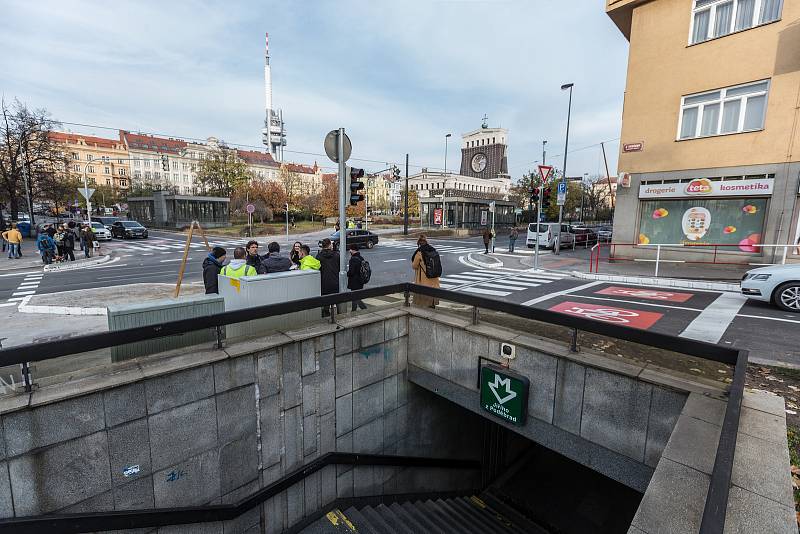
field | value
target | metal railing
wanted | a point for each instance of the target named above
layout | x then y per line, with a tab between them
718	254
716	502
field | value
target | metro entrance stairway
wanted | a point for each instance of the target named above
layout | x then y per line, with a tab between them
465	515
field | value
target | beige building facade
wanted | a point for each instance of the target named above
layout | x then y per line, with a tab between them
105	161
710	143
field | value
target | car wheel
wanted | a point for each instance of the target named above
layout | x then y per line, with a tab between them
370	244
787	297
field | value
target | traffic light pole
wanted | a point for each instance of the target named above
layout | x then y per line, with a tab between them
343	197
536	245
405	207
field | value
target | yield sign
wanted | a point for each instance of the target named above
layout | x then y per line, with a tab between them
545	171
86	192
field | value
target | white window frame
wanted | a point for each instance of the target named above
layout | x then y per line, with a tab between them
721	101
712	18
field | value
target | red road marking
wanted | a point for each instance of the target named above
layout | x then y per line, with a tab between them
609	314
643	293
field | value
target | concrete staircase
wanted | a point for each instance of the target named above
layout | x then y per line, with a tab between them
441	516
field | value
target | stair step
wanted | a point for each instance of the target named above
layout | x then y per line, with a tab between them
436	515
481	516
522	525
376	519
413	525
398	523
361	523
422	518
457	517
334	522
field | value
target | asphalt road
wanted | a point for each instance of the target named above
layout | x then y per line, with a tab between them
727	318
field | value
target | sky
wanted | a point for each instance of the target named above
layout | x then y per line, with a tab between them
397	76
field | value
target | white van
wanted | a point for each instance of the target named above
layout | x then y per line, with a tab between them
547	235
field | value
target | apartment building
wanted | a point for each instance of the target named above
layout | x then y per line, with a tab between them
105	161
710	143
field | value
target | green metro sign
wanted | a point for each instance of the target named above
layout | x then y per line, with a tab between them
504	394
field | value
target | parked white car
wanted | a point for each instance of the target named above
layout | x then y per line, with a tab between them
101	232
776	284
547	235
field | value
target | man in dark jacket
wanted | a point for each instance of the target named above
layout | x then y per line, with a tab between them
354	281
274	262
329	270
253	259
212	265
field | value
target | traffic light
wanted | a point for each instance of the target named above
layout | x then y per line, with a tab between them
164	163
356	185
395	172
534	195
546	198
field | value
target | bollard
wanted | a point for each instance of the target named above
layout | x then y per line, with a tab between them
573	344
220	336
475	315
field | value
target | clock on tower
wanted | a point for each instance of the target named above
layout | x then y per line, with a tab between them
484	152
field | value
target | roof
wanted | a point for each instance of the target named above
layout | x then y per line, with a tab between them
255	157
100	142
152	144
302	169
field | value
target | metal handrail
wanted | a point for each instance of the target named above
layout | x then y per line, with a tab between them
161	517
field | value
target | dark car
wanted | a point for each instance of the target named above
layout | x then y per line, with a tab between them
362	238
106	221
126	229
583	236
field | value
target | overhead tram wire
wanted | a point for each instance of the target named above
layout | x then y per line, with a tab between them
240	145
582	148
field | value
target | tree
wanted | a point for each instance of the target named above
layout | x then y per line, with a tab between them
26	146
271	194
329	197
291	183
222	172
413	202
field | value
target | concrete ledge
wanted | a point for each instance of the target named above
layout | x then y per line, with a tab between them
61	310
659	282
493	265
75	265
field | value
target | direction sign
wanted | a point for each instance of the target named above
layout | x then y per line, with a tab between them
562	193
544	172
504	394
332	146
250	208
86	192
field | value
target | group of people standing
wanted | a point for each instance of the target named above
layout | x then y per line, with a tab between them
58	243
248	262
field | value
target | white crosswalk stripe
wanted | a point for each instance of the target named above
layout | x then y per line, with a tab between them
442	249
496	282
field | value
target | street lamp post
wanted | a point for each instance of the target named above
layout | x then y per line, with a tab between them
444	212
564	169
446	138
583	193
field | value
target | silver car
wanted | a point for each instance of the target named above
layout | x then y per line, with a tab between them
776	284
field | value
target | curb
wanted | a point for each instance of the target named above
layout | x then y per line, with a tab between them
482	264
71	266
62	310
659	282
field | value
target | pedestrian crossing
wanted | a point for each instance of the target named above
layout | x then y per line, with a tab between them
496	282
441	248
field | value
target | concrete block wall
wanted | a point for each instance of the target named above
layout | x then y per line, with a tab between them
216	426
593	410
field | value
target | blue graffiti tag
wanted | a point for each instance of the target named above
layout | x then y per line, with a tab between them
175	475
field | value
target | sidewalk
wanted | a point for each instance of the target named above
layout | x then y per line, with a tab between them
30	260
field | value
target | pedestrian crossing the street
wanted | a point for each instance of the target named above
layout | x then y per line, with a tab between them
496	282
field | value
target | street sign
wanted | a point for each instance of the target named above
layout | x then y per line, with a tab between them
562	193
491	206
484	217
332	147
633	147
504	394
437	216
86	193
250	208
544	172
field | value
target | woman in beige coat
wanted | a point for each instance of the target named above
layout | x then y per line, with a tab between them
420	277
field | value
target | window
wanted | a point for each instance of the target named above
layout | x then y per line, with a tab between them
136	163
174	165
715	18
76	168
123	183
75	155
194	167
106	170
137	174
736	109
158	175
147	163
121	172
120	161
185	166
89	157
146	175
108	181
90	169
175	176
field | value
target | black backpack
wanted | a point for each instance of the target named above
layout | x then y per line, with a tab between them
364	272
433	264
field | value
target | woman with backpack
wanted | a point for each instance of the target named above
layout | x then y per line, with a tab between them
427	270
358	273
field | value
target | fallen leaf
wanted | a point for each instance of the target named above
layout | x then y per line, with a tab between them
795	470
695	370
794	388
774	378
721	371
791	412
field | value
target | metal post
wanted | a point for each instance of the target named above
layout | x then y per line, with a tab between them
573	344
220	336
405	208
475	315
536	245
287	223
658	258
564	170
366	209
342	213
494	210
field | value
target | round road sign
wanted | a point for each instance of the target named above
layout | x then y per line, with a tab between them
332	148
250	208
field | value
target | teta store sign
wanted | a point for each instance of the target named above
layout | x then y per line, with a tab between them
504	394
700	187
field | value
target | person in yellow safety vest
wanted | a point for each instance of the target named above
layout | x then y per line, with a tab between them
307	261
238	267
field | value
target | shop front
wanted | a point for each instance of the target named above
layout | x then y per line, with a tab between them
728	215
